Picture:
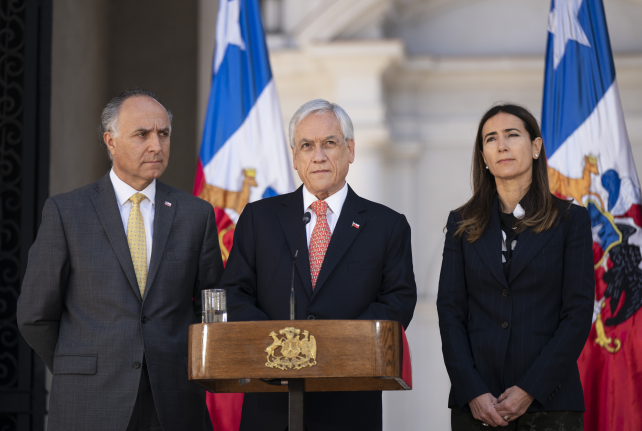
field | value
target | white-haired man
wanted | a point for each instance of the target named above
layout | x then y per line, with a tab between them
355	264
114	280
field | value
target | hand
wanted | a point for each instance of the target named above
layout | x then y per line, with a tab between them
513	403
483	408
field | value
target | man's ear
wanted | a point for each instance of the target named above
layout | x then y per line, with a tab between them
293	157
350	145
108	138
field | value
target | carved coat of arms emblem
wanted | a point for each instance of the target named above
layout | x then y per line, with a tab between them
296	352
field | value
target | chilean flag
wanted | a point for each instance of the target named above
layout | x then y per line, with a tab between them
243	155
590	161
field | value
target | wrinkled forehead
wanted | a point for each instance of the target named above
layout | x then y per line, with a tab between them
143	111
317	126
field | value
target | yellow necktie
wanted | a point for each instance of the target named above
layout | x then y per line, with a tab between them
137	241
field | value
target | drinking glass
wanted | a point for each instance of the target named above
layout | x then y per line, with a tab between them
214	305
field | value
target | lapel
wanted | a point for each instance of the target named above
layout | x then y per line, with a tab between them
290	216
344	234
106	207
489	245
528	245
163	218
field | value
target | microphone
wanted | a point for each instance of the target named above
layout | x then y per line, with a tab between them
306	219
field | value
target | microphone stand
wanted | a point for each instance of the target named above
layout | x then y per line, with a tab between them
296	387
306	219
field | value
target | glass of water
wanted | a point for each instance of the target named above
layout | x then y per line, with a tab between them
214	305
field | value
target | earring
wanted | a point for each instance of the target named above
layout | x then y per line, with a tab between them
536	155
486	166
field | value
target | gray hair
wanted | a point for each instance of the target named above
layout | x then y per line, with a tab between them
109	116
321	106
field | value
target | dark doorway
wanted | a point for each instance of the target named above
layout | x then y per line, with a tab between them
25	90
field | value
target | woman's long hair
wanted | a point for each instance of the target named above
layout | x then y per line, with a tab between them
539	204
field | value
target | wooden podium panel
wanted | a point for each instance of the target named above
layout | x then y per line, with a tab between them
352	355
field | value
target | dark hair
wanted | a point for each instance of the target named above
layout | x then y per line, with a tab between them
540	205
109	116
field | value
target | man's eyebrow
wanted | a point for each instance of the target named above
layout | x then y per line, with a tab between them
142	130
327	138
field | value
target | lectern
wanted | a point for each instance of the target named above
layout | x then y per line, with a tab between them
297	356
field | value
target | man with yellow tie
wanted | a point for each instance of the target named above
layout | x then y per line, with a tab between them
113	281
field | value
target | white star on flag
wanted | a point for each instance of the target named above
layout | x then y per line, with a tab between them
228	30
563	23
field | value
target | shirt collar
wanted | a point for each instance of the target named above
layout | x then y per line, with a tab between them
124	191
519	211
335	202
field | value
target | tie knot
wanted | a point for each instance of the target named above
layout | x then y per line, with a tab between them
319	207
137	198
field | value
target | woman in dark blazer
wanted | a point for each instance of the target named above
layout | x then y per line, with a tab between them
516	287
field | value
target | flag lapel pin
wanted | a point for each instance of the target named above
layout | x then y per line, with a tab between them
168	204
355	225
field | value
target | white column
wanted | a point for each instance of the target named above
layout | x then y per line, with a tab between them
355	70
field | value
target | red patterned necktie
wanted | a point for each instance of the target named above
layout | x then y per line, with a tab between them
320	239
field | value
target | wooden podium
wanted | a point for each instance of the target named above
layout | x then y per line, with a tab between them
332	355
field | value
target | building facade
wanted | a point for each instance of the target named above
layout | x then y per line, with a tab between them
414	75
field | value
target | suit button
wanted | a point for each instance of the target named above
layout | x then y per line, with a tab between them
143	319
137	365
505	325
506	292
311	317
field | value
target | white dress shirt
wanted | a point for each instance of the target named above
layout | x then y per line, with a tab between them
123	192
335	203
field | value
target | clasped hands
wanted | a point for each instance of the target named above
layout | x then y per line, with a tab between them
512	404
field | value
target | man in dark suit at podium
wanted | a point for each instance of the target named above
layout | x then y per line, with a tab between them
355	264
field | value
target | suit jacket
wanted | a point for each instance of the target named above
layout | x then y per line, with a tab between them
366	274
526	330
81	311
